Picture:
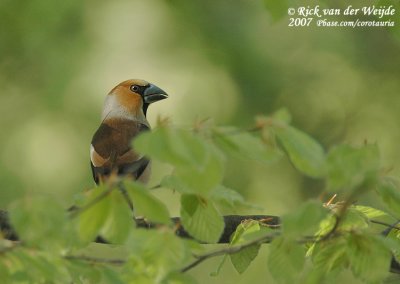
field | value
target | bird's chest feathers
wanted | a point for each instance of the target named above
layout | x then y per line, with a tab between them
115	135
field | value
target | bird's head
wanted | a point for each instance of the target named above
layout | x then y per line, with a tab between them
131	98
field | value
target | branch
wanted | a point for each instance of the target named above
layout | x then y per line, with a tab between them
95	259
229	250
388	226
231	222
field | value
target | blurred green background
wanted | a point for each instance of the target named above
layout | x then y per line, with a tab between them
228	60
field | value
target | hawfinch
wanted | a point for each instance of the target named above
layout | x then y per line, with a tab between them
123	118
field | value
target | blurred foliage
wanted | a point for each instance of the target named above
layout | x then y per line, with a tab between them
226	60
314	243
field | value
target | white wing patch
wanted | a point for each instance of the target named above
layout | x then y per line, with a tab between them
129	157
95	158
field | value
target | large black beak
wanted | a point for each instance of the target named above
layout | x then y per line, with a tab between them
153	94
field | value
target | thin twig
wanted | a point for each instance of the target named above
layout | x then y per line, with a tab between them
95	259
330	201
125	194
229	250
385	224
156	186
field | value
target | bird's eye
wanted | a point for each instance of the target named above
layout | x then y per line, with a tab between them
134	88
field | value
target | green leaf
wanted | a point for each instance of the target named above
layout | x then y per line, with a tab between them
282	115
37	266
306	154
242	144
111	276
393	242
390	194
247	231
219	266
244	230
286	260
305	220
38	221
370	212
329	255
242	259
174	182
353	220
119	221
199	166
230	198
91	219
220	194
369	257
325	226
191	181
175	146
83	272
4	274
145	204
201	219
349	167
155	254
179	278
203	180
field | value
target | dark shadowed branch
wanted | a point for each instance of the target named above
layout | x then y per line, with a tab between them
231	222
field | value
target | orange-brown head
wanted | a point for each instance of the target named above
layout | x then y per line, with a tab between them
130	100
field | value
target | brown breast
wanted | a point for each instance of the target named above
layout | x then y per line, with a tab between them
111	146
